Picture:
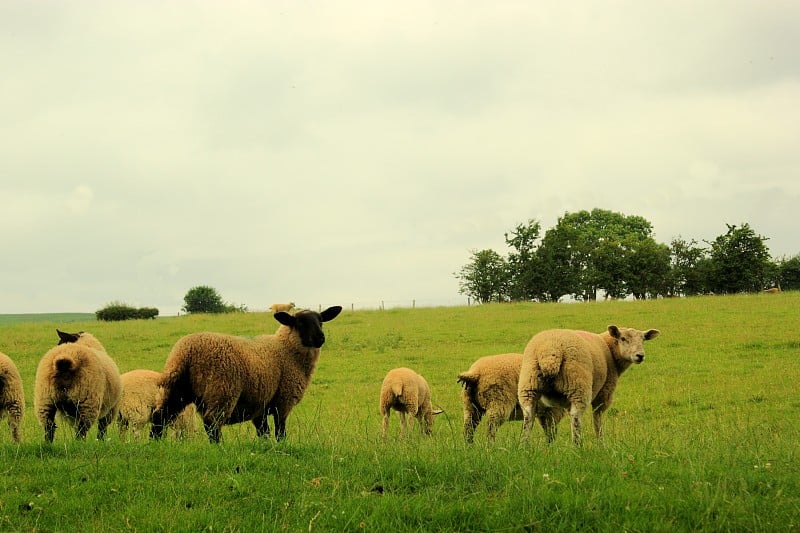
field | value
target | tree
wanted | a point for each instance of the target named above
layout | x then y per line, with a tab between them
203	299
685	274
740	261
647	268
485	277
789	273
525	278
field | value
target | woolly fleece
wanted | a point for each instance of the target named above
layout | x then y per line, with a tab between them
81	382
570	369
12	396
490	389
406	392
233	379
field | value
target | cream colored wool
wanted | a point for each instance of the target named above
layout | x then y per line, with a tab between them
140	396
79	381
12	396
490	390
233	379
408	393
573	370
286	308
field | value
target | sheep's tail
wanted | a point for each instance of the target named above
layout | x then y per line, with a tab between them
65	364
470	384
397	389
550	361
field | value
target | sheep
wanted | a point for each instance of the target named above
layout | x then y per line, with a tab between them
78	379
232	379
773	290
140	395
490	389
285	308
568	369
406	392
12	396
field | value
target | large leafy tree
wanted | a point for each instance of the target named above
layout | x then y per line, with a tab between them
203	299
686	275
740	261
591	248
485	277
525	280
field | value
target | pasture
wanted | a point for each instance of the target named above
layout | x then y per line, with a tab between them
704	435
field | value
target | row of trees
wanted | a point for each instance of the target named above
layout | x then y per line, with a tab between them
600	251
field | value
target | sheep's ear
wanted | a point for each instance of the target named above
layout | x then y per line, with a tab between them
437	411
651	334
64	338
285	318
331	313
614	331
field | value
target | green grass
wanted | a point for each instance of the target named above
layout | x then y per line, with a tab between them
702	436
61	318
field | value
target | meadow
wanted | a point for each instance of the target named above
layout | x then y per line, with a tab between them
704	435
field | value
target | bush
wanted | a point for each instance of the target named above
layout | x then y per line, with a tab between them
119	311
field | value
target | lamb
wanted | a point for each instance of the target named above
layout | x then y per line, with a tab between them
140	395
232	379
278	308
490	389
12	396
79	380
407	392
568	369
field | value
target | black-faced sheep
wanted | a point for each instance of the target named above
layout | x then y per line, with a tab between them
490	389
569	369
232	379
12	396
140	396
406	392
80	381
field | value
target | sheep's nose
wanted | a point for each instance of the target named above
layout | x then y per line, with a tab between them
639	358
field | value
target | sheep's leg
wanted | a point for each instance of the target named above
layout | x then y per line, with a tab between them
385	423
549	418
472	417
103	424
14	422
403	423
528	399
576	412
495	421
262	424
599	406
82	426
47	415
213	430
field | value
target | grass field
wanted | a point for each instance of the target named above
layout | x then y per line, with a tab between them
704	435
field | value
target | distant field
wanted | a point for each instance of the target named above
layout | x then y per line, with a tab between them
703	436
59	318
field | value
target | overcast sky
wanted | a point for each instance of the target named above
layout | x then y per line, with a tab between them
355	152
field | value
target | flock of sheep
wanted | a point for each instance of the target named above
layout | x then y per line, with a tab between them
228	379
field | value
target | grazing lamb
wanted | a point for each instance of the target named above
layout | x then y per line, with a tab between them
232	379
490	389
140	395
78	379
773	290
285	308
12	397
568	369
407	392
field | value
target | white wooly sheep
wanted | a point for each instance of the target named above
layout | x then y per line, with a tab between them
233	379
571	370
140	396
285	308
490	389
12	396
407	392
80	381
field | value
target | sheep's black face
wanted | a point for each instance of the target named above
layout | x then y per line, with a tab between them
309	324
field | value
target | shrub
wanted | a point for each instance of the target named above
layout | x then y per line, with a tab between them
119	311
